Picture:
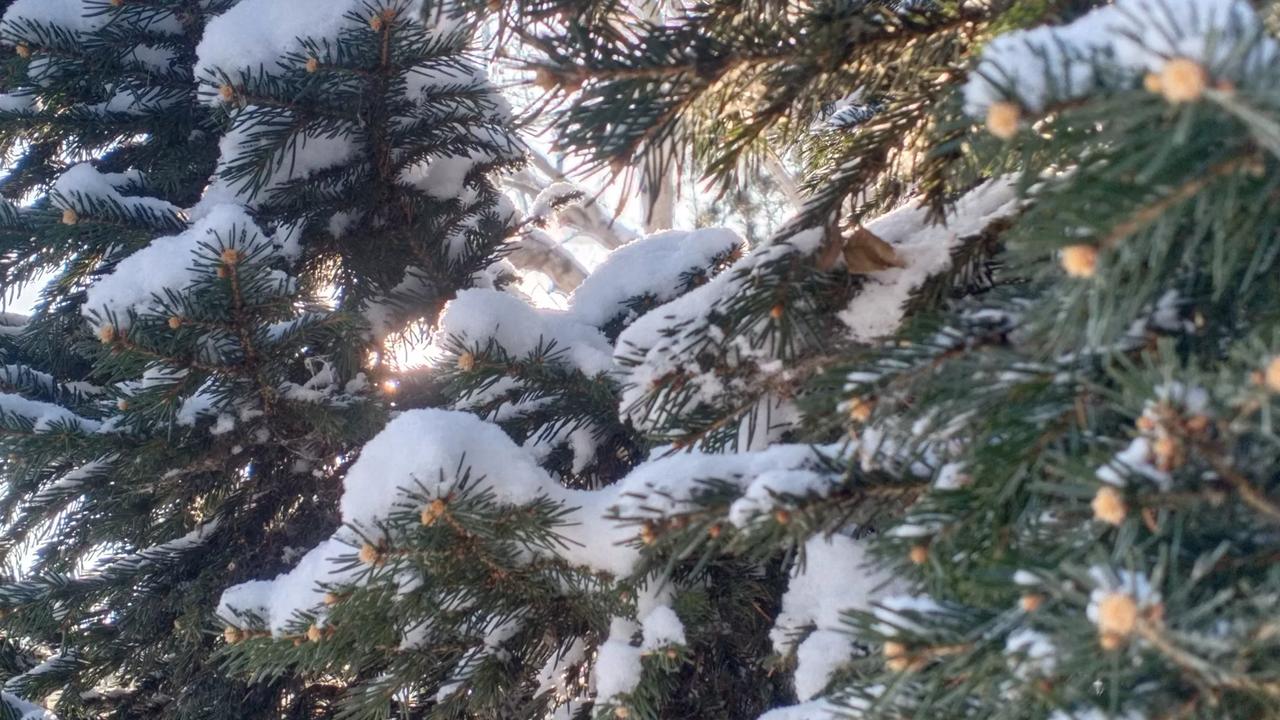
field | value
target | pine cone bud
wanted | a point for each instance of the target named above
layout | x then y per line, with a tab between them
1031	602
232	635
372	555
122	404
1109	506
1117	615
1271	378
776	311
226	92
22	50
331	599
1003	119
313	64
175	322
895	657
1080	261
466	361
1151	83
648	533
1183	80
107	333
230	256
714	531
782	516
433	511
314	633
919	554
860	410
70	216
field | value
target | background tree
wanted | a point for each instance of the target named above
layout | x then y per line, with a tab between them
580	563
183	399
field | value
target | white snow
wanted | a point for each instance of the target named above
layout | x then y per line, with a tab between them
821	709
925	249
1114	44
82	184
653	265
443	442
255	33
836	577
617	667
73	15
661	628
42	415
168	263
477	315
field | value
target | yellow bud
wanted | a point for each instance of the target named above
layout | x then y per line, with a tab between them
1080	261
331	599
1031	602
230	256
226	92
1183	80
1109	506
122	404
919	554
22	50
466	362
376	23
1003	119
896	658
313	64
621	713
860	410
314	633
372	555
232	635
1117	614
433	511
70	216
1271	378
107	333
648	533
175	322
1151	83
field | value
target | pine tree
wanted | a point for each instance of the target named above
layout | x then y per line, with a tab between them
627	544
180	408
982	430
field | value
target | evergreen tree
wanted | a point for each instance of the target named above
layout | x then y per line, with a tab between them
625	546
982	431
179	410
